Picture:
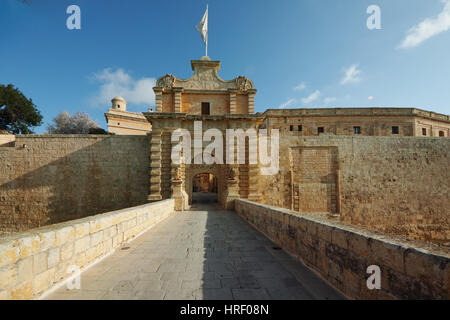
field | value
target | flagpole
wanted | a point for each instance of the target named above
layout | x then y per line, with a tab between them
206	47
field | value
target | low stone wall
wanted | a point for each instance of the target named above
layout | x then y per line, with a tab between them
32	262
342	253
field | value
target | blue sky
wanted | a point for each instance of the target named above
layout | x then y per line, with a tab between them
299	53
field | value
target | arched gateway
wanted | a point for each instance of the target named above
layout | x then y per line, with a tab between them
218	104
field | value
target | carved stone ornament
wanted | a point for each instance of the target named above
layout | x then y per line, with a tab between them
243	83
177	175
166	82
231	174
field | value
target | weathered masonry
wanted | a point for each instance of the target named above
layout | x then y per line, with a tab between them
384	169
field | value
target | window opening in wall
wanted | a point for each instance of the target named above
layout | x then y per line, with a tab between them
424	131
357	130
320	130
394	129
205	108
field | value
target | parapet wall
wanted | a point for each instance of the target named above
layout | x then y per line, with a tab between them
32	262
396	185
341	254
46	179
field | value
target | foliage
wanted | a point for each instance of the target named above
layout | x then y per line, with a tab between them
18	114
79	123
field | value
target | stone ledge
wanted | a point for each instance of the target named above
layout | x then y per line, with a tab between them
342	253
32	262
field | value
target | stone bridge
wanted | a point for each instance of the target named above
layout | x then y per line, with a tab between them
205	253
255	252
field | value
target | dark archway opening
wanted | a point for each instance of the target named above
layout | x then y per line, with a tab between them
204	188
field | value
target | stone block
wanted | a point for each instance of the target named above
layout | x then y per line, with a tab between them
8	276
53	257
65	234
339	238
4	295
9	252
48	239
67	251
40	262
23	291
24	270
81	230
359	244
44	281
387	254
96	238
427	266
82	244
29	244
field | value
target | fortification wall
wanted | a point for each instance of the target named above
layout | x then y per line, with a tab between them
341	254
32	262
398	185
46	179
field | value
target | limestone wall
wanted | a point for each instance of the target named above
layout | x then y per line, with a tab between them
341	254
32	262
47	179
398	185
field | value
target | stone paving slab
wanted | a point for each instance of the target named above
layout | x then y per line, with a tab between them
205	253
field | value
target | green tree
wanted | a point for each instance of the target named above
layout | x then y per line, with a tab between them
18	114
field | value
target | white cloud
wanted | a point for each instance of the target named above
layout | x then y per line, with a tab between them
311	98
300	87
428	28
351	75
119	83
329	100
287	104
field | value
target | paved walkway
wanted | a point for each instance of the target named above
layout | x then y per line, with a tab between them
206	253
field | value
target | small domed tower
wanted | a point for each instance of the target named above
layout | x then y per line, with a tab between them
119	103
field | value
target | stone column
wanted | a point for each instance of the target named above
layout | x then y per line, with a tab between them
178	193
232	101
155	165
253	175
177	99
158	99
232	191
251	101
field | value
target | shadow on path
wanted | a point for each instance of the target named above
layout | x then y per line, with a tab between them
204	253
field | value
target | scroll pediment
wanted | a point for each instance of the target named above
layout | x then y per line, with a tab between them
205	77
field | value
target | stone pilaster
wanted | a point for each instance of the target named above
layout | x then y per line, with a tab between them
232	191
251	101
158	99
155	165
232	101
253	178
253	175
177	99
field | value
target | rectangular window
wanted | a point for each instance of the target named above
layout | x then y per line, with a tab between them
357	130
291	128
320	130
205	108
395	130
299	128
424	131
441	134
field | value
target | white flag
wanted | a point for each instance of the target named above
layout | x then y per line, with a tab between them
202	27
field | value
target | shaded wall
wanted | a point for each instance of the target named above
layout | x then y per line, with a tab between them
398	185
46	179
341	254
